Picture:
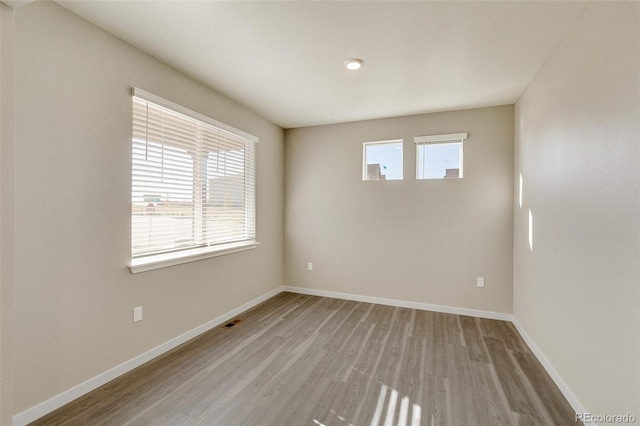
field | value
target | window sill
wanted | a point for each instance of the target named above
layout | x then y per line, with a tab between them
150	263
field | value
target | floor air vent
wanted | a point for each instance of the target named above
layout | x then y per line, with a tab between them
232	323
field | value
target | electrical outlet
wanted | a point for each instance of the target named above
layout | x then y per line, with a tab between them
137	314
480	281
310	266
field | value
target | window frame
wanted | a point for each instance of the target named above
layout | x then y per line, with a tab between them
175	256
450	138
364	158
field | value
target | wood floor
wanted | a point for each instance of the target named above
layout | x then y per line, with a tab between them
306	360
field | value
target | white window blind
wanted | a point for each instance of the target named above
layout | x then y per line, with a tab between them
193	182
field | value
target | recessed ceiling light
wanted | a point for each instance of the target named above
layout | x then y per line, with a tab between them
353	63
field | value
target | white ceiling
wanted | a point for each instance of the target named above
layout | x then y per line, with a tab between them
284	60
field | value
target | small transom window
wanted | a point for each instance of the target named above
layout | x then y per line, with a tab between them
439	156
382	160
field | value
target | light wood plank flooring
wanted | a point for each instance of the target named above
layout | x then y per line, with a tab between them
306	360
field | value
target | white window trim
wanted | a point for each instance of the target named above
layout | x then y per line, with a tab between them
440	139
149	263
364	157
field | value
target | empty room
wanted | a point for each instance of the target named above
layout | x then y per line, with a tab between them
319	212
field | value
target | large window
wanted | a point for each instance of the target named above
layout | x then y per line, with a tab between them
193	185
439	156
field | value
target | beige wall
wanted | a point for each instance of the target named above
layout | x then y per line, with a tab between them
423	241
6	211
576	294
577	146
74	294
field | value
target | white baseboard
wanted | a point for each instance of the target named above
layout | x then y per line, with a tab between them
402	303
555	376
75	392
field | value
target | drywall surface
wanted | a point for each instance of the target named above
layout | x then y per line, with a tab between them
7	193
74	293
576	290
416	240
